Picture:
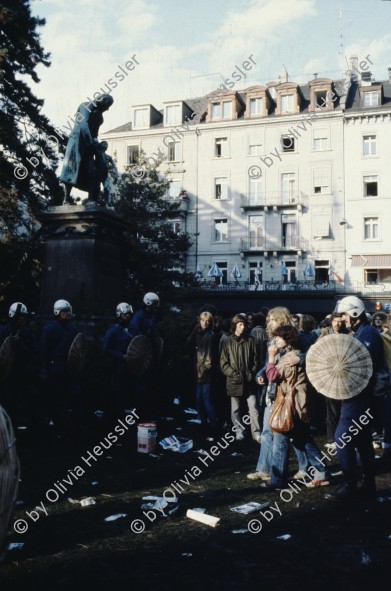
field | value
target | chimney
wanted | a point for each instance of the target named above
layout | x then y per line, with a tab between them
284	76
354	66
315	75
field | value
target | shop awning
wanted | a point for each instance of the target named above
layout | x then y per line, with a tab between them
372	261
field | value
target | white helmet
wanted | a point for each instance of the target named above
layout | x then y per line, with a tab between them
61	306
17	308
151	298
351	305
123	308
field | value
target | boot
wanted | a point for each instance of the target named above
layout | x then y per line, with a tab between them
347	491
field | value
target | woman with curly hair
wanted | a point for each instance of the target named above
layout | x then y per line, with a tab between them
287	372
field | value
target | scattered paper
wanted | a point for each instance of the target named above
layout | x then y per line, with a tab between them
20	502
99	413
195	421
339	473
115	517
187	554
201	452
203	517
94	482
167	418
176	401
21	427
174	443
199	509
15	545
284	537
250	507
236	454
239	531
88	501
190	411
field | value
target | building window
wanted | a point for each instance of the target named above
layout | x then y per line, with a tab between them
369	145
216	110
223	266
320	139
256	106
255	191
320	99
288	187
174	150
371	99
255	145
176	226
289	231
222	110
370	186
140	118
371	228
371	275
221	147
321	180
255	272
220	230
133	154
287	143
173	114
174	189
256	231
221	187
321	225
287	103
227	109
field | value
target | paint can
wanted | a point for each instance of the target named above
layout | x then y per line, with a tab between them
146	437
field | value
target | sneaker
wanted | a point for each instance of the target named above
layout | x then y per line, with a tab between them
239	436
330	446
300	474
376	445
258	439
259	476
342	493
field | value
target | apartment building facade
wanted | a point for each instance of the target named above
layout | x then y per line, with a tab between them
278	178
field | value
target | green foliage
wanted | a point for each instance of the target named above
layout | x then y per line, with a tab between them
155	254
29	149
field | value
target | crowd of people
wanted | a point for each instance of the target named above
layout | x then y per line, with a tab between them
263	352
240	366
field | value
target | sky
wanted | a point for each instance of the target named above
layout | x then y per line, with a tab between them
186	49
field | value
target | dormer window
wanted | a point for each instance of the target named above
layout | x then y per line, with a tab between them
322	96
222	110
173	114
287	103
140	118
256	106
371	98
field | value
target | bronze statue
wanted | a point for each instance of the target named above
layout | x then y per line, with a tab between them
81	168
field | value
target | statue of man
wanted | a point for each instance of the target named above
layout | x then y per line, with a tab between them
81	162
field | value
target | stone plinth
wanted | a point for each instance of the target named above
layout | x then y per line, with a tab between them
83	258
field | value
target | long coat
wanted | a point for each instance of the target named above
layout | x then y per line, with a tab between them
238	363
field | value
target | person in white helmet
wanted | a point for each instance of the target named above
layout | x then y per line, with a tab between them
353	314
146	385
17	391
64	390
115	345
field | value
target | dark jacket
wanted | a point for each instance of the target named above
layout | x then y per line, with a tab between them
205	356
238	363
56	341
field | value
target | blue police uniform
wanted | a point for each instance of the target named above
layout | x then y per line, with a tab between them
115	344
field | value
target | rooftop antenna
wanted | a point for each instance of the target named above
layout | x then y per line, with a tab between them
340	45
203	76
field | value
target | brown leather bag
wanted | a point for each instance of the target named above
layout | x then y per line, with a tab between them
282	416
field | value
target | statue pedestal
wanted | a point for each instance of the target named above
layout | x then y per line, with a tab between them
83	258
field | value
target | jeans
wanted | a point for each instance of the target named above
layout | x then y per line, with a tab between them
360	439
205	406
303	444
253	411
264	463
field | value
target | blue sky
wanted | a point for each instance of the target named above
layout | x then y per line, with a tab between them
179	43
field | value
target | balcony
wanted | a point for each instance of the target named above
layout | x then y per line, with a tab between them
279	245
272	199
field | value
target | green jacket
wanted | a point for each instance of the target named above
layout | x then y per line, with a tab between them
238	362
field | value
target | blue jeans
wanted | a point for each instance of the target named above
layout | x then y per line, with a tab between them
264	463
205	406
304	446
